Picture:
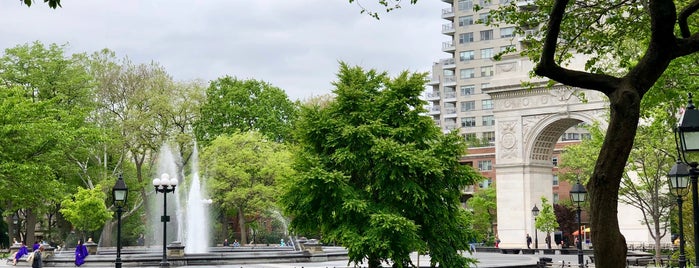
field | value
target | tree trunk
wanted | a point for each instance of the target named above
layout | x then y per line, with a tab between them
603	188
10	229
243	229
30	224
374	262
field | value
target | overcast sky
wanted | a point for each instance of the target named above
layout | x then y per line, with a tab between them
292	44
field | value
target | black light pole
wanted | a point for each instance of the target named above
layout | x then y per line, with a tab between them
679	180
119	194
165	185
687	141
535	212
578	193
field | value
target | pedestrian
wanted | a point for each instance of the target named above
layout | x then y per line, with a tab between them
529	241
236	243
225	242
80	253
497	241
141	240
548	241
37	258
35	246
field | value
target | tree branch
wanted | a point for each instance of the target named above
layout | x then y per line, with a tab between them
548	67
684	15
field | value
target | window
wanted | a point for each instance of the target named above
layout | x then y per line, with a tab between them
554	161
469	136
467	73
486	53
487	35
465	4
555	180
489	136
467	90
507	32
468	122
555	198
485	183
486	71
448	72
465	20
488	120
484	3
483	18
487	104
485	165
468	106
485	85
465	38
466	55
571	136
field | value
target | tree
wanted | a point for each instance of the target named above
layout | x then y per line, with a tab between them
244	170
566	216
86	209
644	181
483	206
234	105
639	41
546	220
378	177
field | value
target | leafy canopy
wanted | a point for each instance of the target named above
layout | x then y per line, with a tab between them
377	176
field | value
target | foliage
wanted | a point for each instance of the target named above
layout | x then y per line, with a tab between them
483	207
234	105
244	170
52	3
377	176
546	220
86	209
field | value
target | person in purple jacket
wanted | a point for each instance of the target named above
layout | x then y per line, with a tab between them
21	252
80	253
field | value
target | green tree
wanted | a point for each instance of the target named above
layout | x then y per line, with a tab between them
627	46
52	3
86	209
483	207
644	182
378	177
234	105
546	220
243	171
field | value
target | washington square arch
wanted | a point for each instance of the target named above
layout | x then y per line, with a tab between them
529	122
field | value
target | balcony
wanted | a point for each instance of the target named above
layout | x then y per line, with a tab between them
448	29
449	96
448	1
448	13
448	46
449	112
433	95
448	63
449	80
450	127
435	110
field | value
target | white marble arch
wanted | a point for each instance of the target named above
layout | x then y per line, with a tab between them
529	122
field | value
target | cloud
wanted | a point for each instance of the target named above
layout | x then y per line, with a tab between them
295	45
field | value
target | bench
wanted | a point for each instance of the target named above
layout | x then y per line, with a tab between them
639	261
510	250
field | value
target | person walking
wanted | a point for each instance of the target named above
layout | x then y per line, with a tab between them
529	241
37	260
21	252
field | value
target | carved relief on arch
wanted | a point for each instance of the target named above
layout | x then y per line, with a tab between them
562	93
528	123
508	139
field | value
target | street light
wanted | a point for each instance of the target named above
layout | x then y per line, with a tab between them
535	212
687	142
119	194
164	185
578	193
679	180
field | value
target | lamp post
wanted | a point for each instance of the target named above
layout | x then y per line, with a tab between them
119	194
679	180
578	193
687	142
164	185
535	212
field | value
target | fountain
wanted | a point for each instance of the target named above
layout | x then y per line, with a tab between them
196	237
